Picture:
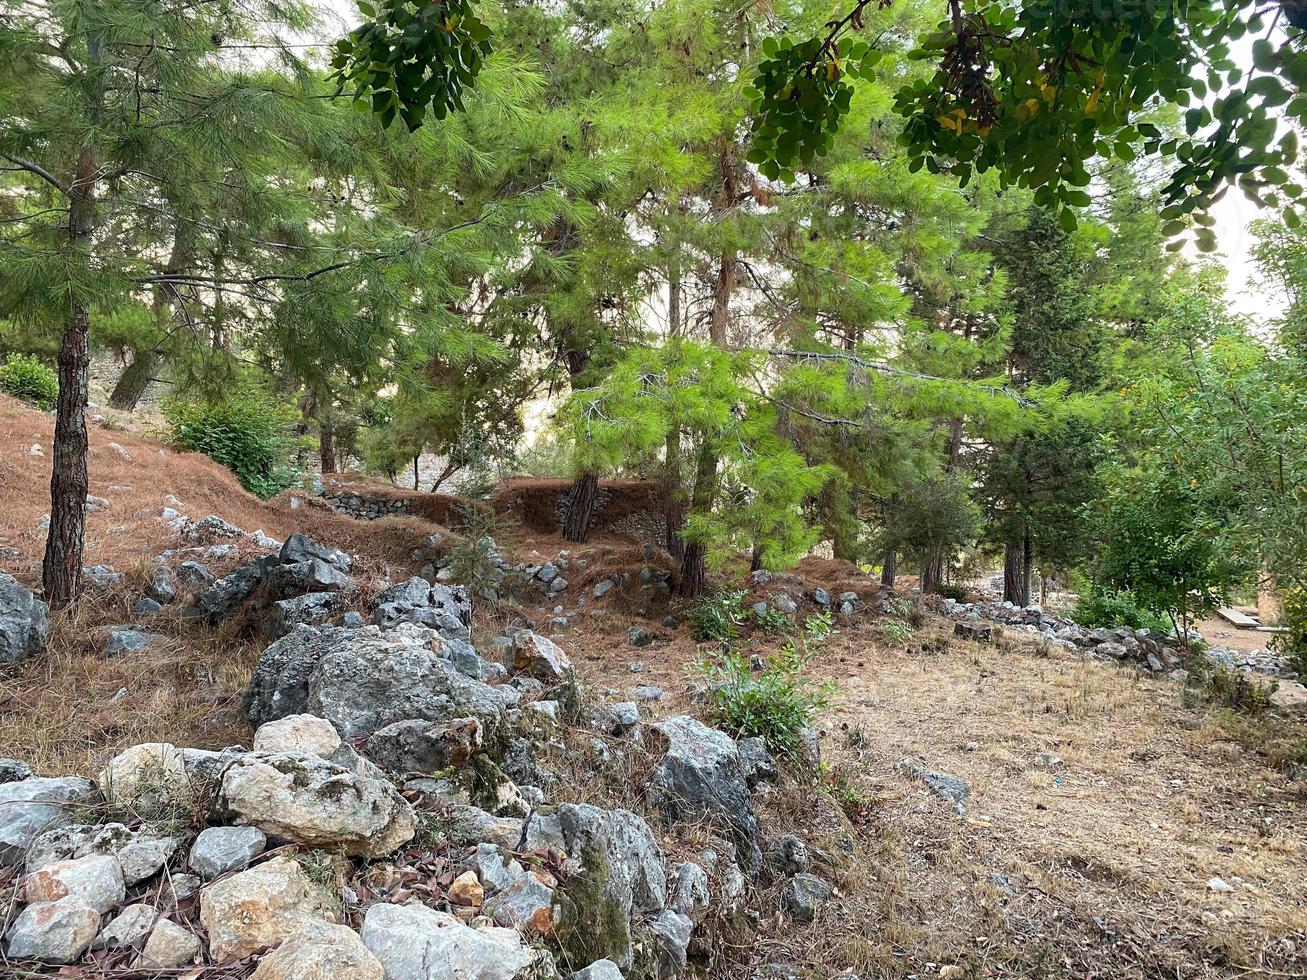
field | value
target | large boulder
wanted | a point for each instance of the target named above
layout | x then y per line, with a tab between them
24	621
702	775
364	679
413	942
301	577
29	807
250	911
320	951
309	800
155	779
620	875
286	614
445	608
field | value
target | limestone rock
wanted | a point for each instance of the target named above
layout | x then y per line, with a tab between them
314	607
222	597
320	951
671	935
218	850
946	786
689	890
288	581
148	779
599	970
364	679
54	932
701	775
620	863
24	621
300	548
758	763
31	806
141	854
413	942
306	799
540	657
414	745
128	928
298	733
12	770
803	895
259	907
169	945
97	879
445	608
494	871
526	905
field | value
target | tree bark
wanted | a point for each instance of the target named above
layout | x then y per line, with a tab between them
889	567
62	567
581	501
694	574
1027	566
136	377
673	492
1012	573
327	447
932	570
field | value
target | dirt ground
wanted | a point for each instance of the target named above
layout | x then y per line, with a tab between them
1103	803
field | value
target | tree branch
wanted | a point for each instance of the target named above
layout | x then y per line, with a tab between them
37	169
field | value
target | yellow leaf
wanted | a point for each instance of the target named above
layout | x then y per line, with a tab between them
1091	104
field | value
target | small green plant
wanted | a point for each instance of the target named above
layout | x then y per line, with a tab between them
895	631
771	620
957	593
246	431
25	377
1105	607
775	704
717	616
818	629
472	556
1233	689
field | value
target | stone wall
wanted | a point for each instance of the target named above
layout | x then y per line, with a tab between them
368	506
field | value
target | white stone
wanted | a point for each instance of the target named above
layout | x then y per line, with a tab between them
297	733
147	779
97	879
218	850
306	799
258	908
169	945
320	951
55	932
413	942
128	927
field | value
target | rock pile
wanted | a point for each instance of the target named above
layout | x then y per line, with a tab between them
398	815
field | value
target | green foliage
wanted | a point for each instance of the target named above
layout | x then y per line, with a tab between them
25	377
247	432
1037	93
801	92
409	56
770	620
471	555
1107	607
1161	545
1293	618
775	704
895	631
717	615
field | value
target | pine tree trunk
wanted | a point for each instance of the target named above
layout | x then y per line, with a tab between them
131	385
755	560
889	567
694	574
1012	573
932	571
581	501
1027	566
327	447
62	567
673	492
415	471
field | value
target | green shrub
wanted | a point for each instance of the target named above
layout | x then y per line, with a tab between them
1104	607
895	631
958	593
776	704
247	432
472	555
717	615
26	378
1293	617
771	620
